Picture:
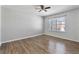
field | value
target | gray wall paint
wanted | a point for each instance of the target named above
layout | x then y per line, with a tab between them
0	23
72	26
17	23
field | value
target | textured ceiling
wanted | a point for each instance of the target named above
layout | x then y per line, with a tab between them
58	9
54	9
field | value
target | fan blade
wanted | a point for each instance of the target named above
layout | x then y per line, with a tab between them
42	7
47	7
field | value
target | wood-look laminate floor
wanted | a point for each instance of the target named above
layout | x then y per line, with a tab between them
42	44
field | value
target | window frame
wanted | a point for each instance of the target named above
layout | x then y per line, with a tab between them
56	23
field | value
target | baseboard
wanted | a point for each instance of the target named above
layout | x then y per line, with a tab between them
38	35
61	37
20	38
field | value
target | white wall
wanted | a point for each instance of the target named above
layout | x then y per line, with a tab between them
0	24
72	26
19	22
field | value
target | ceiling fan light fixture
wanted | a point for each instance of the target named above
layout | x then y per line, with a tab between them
42	8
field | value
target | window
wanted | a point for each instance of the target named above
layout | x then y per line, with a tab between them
57	24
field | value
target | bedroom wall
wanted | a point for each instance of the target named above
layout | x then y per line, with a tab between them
72	26
0	24
20	22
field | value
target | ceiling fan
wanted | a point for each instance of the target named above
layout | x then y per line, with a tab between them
43	8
